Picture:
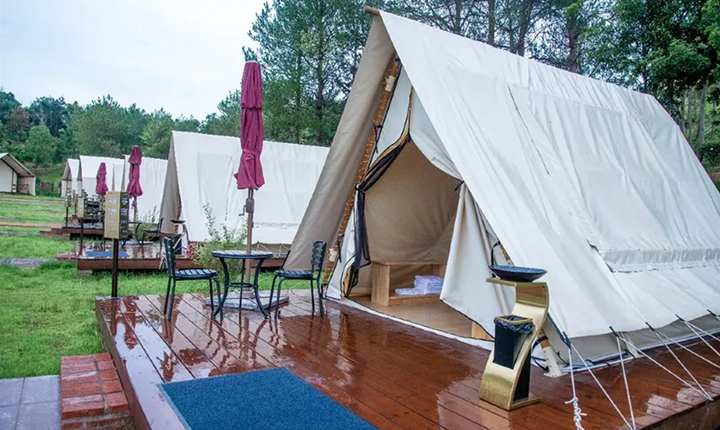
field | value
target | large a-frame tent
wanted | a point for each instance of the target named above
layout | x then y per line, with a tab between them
89	166
200	179
70	183
592	182
152	181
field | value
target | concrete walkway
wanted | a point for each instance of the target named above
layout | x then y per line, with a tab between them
26	263
30	403
27	224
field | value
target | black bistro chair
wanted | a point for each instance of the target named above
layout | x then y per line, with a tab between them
152	233
312	275
186	275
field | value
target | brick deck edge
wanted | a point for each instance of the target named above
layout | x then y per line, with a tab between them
91	395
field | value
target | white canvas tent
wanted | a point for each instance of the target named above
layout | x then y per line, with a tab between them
89	166
14	176
152	181
70	183
200	175
590	181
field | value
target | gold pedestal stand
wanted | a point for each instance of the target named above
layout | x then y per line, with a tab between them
499	383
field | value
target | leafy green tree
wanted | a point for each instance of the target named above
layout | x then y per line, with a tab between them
17	124
158	130
227	123
40	146
309	50
469	18
49	112
567	36
106	128
8	103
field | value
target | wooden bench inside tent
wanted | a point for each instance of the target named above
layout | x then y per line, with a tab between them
384	281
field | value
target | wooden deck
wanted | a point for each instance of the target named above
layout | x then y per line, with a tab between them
392	375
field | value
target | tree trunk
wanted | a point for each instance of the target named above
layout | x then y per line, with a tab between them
298	96
713	120
491	23
320	98
573	57
683	120
458	17
688	117
525	18
701	118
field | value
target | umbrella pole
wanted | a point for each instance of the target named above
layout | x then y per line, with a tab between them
250	209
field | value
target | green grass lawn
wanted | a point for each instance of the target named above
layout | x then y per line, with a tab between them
31	209
32	246
49	312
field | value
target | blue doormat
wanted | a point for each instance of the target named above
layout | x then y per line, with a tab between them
260	400
105	254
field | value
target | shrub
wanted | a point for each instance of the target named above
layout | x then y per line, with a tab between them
221	238
710	152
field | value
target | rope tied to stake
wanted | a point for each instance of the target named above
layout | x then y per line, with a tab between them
597	381
577	412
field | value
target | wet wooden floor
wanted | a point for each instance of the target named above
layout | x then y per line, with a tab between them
392	375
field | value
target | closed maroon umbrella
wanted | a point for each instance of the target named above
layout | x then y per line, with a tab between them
134	189
250	174
101	182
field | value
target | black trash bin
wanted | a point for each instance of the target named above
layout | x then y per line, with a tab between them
510	333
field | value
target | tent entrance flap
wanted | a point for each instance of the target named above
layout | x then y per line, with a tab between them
407	215
376	171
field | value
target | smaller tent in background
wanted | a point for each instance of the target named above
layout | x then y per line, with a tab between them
70	183
200	175
152	181
88	169
14	177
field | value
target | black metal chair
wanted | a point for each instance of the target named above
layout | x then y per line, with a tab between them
186	275
151	233
312	275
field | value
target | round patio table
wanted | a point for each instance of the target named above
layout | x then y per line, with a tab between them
244	256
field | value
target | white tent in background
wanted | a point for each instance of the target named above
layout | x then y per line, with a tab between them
200	175
152	181
89	166
70	183
15	177
592	182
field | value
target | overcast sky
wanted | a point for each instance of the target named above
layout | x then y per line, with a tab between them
182	55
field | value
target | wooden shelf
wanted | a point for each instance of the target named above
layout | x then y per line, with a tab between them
396	300
383	294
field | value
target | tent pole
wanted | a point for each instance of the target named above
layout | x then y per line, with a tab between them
371	10
388	83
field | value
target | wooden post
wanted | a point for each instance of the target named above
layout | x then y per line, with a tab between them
115	252
82	223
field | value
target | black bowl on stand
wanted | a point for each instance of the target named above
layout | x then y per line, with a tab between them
517	273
